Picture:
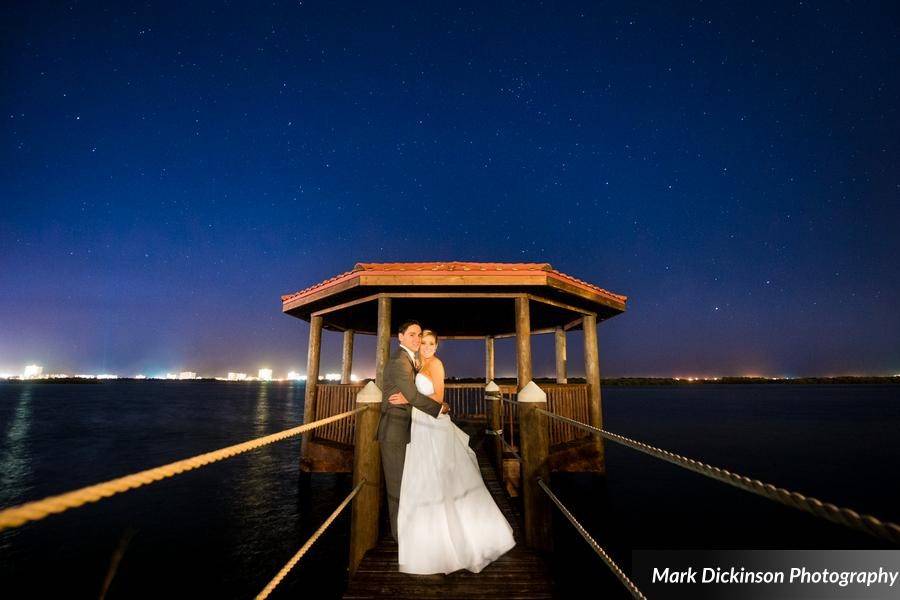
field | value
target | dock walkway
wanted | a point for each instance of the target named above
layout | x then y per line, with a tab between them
518	574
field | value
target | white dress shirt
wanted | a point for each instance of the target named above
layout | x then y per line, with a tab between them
412	355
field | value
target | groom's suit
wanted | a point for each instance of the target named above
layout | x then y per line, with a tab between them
399	375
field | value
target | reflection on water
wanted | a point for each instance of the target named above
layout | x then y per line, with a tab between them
15	461
262	409
289	398
250	489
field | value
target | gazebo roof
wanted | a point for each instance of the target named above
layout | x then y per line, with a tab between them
454	298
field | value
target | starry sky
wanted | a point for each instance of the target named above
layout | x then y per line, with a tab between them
167	171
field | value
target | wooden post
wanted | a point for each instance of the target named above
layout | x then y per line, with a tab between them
382	355
492	392
383	344
366	464
523	342
534	446
312	380
347	358
488	359
561	356
592	378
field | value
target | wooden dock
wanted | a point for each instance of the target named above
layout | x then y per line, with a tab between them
520	573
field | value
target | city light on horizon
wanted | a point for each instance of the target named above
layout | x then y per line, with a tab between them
35	371
32	371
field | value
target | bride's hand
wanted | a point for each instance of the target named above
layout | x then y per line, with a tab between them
398	398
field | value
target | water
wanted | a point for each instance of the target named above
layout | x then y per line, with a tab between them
224	530
838	443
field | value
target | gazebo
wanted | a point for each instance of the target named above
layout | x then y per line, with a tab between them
459	300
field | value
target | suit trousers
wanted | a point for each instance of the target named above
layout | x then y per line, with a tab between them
393	455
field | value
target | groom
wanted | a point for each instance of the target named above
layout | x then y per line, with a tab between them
399	380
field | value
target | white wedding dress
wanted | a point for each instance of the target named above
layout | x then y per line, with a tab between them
447	519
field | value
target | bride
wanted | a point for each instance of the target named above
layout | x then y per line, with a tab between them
447	519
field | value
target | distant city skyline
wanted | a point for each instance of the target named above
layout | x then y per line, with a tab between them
264	374
38	372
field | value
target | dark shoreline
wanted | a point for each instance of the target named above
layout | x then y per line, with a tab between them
613	381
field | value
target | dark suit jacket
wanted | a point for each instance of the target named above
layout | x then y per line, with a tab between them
400	376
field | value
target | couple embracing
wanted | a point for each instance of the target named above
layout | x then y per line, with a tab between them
442	515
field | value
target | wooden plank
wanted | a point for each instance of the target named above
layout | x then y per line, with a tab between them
573	324
543	330
558	304
452	294
318	295
590	295
330	309
469	278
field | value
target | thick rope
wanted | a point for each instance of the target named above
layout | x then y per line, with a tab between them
510	449
34	511
617	571
506	445
836	514
312	540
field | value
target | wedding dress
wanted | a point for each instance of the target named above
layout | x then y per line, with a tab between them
447	519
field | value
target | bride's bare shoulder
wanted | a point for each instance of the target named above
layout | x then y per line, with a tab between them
438	366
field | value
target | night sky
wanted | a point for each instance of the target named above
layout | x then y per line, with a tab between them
167	171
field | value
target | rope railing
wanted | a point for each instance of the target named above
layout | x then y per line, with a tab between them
510	424
616	569
312	540
39	509
510	449
836	514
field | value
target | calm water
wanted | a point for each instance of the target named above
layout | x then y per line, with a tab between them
224	530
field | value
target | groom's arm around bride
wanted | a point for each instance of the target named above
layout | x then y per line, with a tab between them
399	376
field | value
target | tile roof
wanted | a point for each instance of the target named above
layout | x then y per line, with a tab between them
444	267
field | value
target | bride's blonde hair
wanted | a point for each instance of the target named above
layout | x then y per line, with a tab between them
432	334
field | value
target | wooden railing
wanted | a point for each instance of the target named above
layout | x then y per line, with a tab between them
467	403
564	399
333	399
567	400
